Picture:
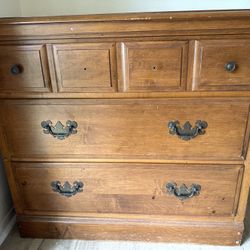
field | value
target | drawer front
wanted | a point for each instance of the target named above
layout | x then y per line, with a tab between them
153	66
221	65
129	188
24	68
85	67
116	129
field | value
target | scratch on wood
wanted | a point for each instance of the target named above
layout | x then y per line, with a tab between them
139	18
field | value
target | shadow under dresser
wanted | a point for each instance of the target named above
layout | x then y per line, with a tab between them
128	126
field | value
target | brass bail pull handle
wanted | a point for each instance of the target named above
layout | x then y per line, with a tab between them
183	192
59	131
188	132
67	189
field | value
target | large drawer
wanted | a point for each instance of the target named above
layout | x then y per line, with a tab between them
128	129
129	188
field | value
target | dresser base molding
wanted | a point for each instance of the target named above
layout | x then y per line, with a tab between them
118	229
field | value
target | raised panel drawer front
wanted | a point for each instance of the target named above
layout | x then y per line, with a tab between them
221	65
24	68
85	67
153	66
128	188
126	129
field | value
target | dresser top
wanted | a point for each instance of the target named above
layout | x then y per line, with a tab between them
128	17
190	23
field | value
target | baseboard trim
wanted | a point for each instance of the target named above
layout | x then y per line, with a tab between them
7	225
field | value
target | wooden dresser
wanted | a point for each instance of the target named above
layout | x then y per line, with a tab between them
128	126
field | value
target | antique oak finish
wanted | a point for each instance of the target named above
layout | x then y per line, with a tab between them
127	129
24	68
83	67
221	65
153	66
113	188
128	126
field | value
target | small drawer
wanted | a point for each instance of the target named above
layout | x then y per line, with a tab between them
24	68
153	189
153	66
85	67
127	129
220	65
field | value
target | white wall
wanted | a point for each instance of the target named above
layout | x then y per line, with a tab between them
7	219
5	201
7	8
64	7
10	8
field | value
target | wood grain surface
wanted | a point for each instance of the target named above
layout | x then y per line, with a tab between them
85	67
212	233
123	78
32	60
129	188
209	65
152	66
127	130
